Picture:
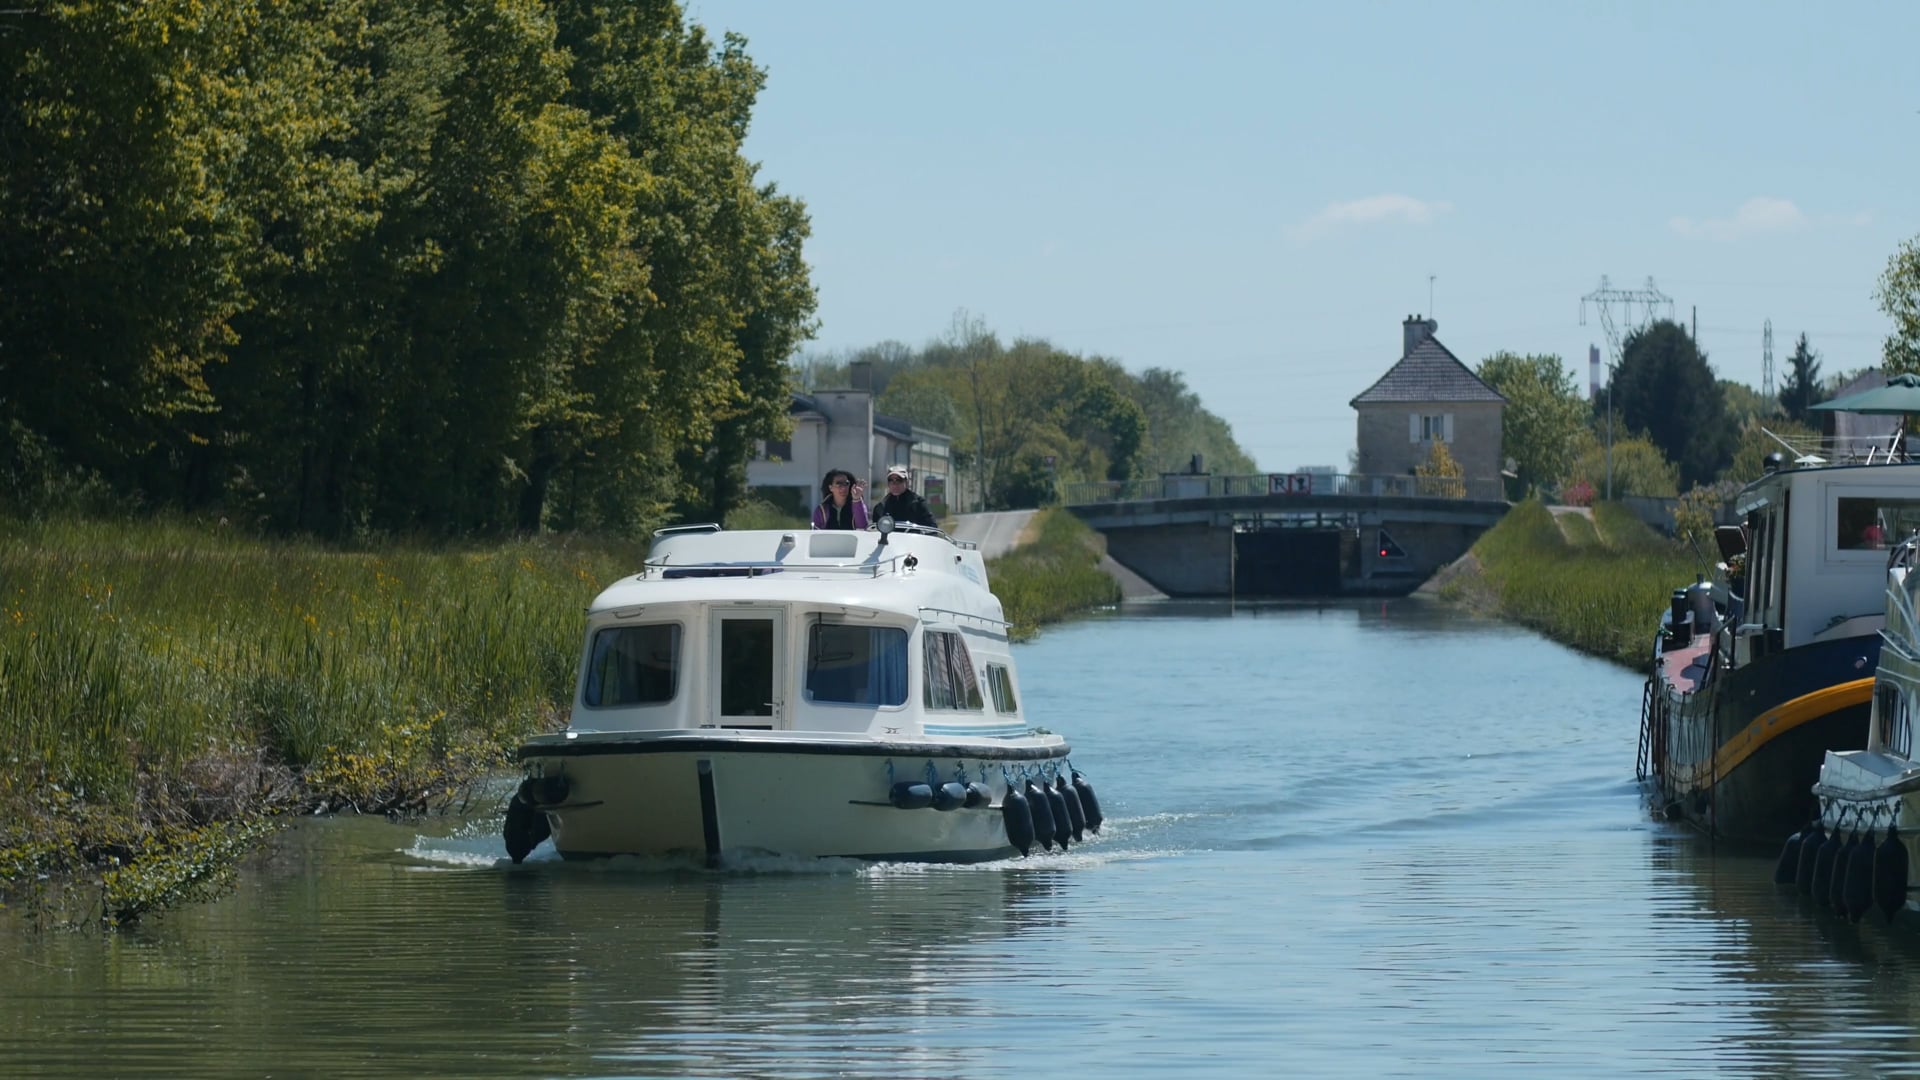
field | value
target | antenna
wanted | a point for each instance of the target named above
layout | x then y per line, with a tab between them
1766	359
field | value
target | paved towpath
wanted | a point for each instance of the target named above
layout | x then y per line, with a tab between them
999	532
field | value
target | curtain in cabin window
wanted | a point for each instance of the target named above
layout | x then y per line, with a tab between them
857	665
633	665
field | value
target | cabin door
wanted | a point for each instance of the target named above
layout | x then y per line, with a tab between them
749	645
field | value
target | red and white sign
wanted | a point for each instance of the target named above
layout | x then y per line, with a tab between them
1289	483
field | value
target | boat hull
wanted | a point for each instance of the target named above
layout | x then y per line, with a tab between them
719	797
1739	759
1872	789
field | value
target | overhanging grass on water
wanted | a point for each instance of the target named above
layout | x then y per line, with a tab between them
157	678
1056	574
1601	591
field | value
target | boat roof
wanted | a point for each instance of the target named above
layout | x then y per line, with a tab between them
915	574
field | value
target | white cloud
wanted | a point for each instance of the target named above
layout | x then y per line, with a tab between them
1372	210
1759	214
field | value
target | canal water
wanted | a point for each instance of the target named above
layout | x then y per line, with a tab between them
1375	839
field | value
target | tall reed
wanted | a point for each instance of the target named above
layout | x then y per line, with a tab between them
165	673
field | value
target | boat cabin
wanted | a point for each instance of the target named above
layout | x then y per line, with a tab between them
825	631
1816	553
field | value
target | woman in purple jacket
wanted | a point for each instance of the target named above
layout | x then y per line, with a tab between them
841	503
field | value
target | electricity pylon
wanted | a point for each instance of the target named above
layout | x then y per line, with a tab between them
1605	297
1650	300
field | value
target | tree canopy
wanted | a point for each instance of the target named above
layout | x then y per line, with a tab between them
1665	389
1543	416
1011	407
391	264
1801	392
1898	292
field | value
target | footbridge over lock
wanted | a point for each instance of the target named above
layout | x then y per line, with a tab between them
1288	535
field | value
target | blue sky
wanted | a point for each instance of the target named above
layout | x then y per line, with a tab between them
1256	194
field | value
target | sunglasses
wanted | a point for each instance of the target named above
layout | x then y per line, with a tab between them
839	483
896	479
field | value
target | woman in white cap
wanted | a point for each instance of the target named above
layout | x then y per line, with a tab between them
902	503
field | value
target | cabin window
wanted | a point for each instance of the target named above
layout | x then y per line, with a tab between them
857	665
1890	713
951	683
1000	682
633	665
1867	523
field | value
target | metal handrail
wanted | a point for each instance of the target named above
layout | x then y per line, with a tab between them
1258	484
871	569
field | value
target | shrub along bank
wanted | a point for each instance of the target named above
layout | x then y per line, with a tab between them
1598	585
1054	575
165	686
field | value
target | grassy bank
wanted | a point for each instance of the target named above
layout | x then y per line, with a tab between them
1597	584
165	685
1054	575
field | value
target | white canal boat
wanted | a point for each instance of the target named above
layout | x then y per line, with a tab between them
1854	857
800	693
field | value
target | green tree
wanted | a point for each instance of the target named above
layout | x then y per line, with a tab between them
1639	468
1665	389
1440	474
1898	292
1542	419
1802	389
1745	403
1750	453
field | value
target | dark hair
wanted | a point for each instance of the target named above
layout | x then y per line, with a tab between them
826	483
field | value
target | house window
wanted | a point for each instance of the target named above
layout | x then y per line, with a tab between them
1426	427
777	450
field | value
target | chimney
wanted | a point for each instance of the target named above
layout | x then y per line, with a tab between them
1416	330
860	373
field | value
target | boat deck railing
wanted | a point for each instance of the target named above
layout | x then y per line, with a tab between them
1809	450
760	568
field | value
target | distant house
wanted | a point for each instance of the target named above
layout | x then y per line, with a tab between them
838	429
1429	394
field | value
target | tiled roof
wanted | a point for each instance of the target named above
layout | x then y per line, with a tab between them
1429	373
894	426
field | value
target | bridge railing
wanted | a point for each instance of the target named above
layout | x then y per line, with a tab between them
1201	487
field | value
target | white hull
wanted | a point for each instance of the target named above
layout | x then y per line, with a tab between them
1872	789
714	794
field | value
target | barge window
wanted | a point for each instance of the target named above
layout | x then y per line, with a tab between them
1001	683
633	665
951	683
857	665
1866	523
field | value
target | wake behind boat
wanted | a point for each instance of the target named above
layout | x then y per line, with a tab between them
1756	676
824	693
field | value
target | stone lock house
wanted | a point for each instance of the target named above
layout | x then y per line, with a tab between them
1429	394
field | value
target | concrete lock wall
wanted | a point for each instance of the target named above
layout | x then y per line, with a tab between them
1194	559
